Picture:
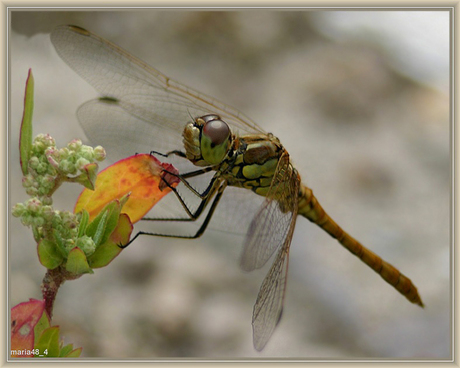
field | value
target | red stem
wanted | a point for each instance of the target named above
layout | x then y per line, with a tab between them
50	286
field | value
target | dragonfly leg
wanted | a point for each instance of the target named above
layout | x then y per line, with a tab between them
202	228
191	174
205	197
167	154
184	176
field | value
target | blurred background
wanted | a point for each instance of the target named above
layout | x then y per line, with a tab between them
361	101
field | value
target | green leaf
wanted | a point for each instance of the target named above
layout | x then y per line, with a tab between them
104	254
25	140
100	228
36	233
107	251
88	176
74	353
49	255
60	244
104	223
66	350
48	342
77	263
83	223
42	324
124	199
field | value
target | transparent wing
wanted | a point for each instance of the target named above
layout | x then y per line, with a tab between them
145	111
269	304
123	130
271	229
162	104
271	226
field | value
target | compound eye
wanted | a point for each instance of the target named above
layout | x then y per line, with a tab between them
217	131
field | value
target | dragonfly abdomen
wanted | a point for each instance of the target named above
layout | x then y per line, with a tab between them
310	208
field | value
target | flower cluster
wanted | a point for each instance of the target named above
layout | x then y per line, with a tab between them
48	167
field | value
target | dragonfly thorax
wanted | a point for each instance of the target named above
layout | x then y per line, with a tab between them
207	140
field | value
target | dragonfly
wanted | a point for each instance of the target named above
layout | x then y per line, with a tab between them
140	105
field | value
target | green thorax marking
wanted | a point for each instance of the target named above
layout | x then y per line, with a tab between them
256	158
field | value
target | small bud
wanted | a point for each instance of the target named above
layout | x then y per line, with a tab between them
81	163
47	201
18	209
27	219
67	167
48	141
64	153
47	212
32	191
38	221
86	244
69	220
42	191
38	146
42	168
69	244
27	181
51	171
48	179
34	162
47	183
87	152
33	205
52	154
99	153
74	145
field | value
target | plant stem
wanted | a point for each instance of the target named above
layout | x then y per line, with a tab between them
51	282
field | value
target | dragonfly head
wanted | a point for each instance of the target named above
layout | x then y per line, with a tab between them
207	140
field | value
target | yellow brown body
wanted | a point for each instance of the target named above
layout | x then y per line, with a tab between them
253	168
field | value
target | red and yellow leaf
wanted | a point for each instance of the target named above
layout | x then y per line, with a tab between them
141	175
24	317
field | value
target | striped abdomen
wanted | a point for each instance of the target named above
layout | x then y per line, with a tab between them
310	208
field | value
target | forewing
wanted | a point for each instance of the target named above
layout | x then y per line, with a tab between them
269	304
124	131
274	221
117	74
